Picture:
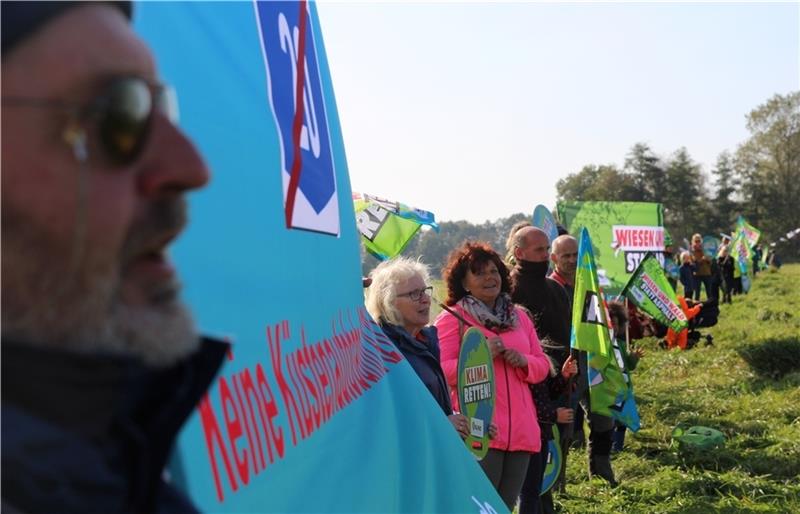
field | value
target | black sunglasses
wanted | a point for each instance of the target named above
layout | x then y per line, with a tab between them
123	114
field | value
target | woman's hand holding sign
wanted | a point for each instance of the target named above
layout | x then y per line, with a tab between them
514	358
495	346
461	424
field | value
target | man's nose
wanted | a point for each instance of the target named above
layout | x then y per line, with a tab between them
171	163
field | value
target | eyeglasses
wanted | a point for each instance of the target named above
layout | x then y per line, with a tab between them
416	294
123	114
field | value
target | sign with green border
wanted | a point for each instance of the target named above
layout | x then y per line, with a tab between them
476	389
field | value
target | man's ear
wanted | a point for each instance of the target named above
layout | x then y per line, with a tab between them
518	253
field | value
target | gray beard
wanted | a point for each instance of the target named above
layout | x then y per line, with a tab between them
96	322
47	304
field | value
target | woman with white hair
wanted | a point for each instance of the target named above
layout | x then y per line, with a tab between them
399	299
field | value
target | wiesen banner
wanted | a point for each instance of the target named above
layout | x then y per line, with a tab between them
315	409
622	233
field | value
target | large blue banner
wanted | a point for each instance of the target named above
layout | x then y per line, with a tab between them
315	410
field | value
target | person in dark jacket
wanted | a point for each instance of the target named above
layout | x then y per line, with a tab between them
726	265
687	275
399	299
620	317
101	361
549	306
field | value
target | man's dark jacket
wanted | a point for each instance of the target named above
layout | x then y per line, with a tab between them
87	433
548	303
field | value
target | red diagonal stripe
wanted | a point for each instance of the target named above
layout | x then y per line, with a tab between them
297	126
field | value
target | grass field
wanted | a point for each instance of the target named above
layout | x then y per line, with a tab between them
746	385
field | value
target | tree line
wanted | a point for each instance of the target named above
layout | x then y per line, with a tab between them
760	180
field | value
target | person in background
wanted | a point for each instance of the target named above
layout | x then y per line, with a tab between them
478	288
702	267
399	299
101	360
564	255
757	255
687	274
510	259
549	306
630	358
548	398
671	267
773	259
715	281
726	265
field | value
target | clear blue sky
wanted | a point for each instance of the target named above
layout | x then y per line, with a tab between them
475	110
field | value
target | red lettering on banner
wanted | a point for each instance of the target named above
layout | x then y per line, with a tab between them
214	440
315	381
234	429
307	376
294	366
269	411
274	341
248	388
622	237
324	382
631	238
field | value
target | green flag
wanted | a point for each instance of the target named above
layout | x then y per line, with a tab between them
751	233
650	291
610	387
386	227
590	328
741	252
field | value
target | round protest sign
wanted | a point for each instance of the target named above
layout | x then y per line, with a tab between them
554	459
543	219
476	391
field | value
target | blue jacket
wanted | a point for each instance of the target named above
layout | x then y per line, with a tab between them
687	276
423	355
88	433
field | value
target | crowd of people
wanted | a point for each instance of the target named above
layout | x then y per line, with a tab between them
699	271
93	397
523	305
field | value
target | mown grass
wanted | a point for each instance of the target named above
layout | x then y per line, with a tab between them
746	385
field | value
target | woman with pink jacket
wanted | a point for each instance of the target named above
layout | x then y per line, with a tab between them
478	288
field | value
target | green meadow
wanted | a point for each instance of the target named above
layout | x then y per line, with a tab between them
747	385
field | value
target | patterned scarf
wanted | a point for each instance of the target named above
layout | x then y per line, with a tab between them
500	319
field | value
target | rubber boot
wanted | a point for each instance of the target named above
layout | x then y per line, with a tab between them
600	465
618	438
599	456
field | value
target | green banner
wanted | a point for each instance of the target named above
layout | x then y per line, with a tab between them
650	291
622	232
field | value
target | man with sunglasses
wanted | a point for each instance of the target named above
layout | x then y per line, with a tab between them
101	363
